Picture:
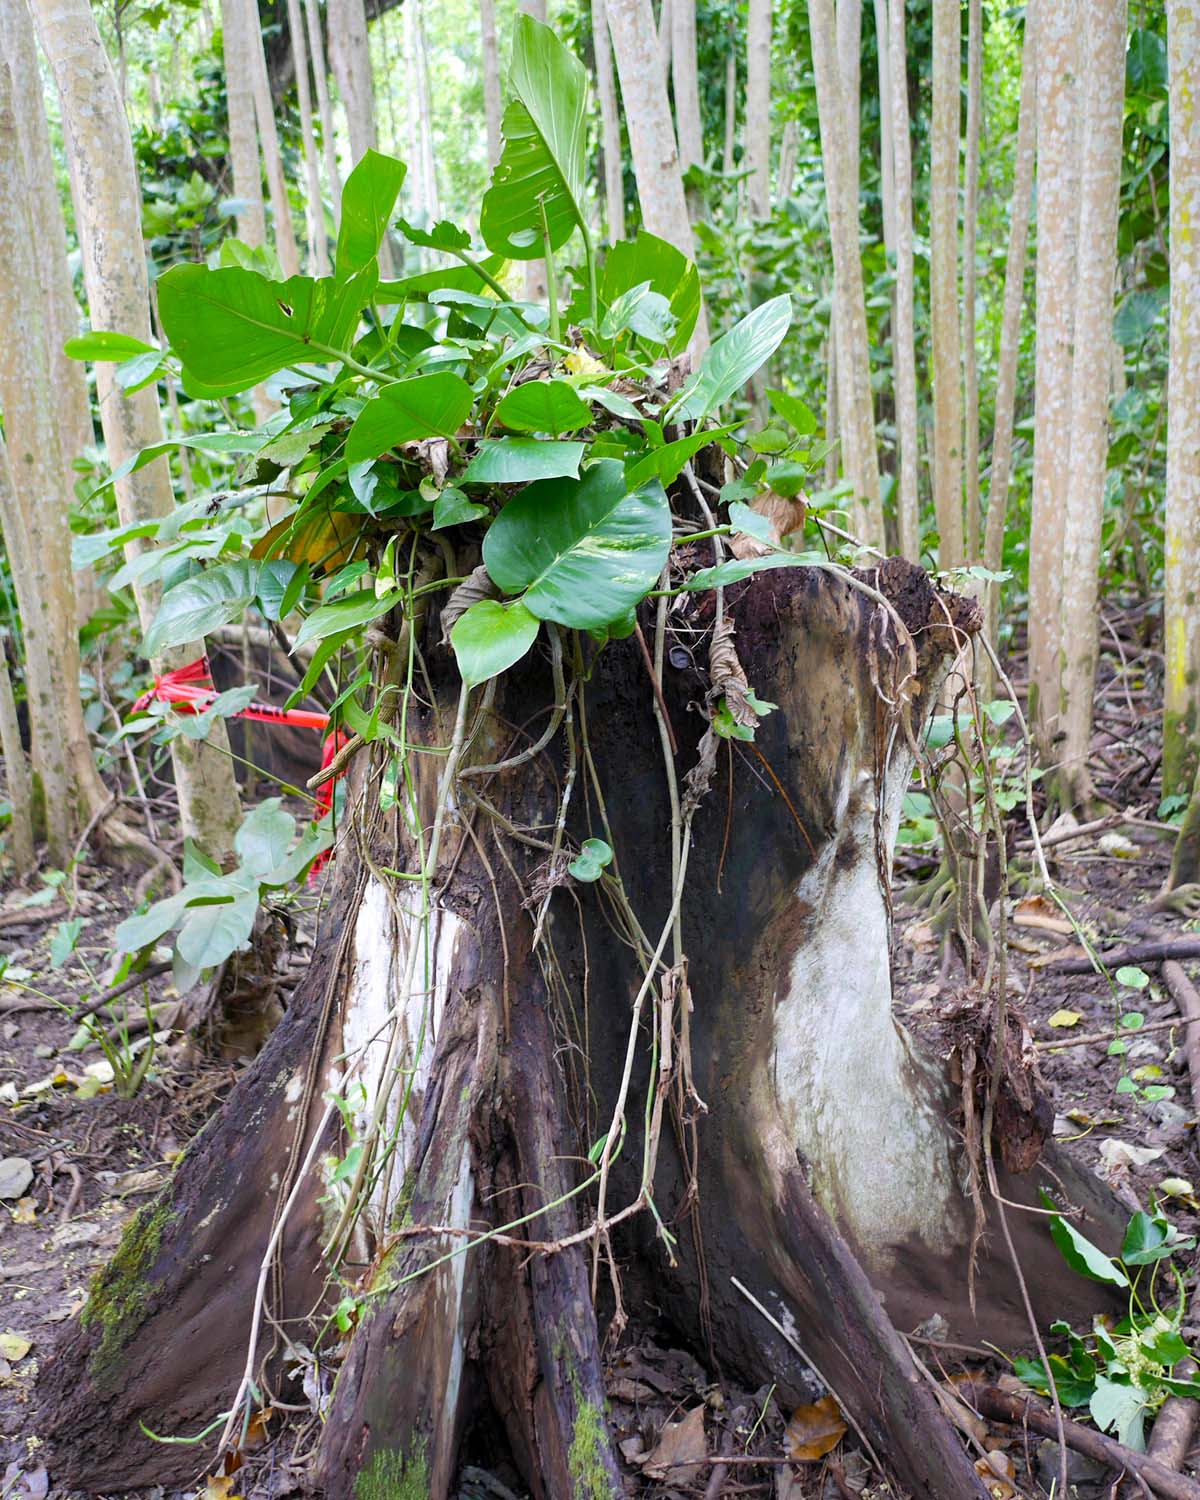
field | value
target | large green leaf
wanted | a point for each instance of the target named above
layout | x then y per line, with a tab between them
732	360
368	199
541	178
100	345
233	328
464	278
265	837
667	463
345	614
425	406
1082	1256
210	932
669	272
581	552
1146	62
544	406
516	460
203	603
489	637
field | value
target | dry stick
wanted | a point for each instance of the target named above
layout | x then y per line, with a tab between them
32	916
999	1406
1183	992
1151	952
1175	1424
1128	1032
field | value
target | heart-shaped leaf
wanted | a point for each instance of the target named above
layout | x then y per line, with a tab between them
453	508
425	406
201	604
589	863
668	271
732	360
345	614
1082	1256
516	460
265	837
368	199
544	406
581	552
209	933
489	637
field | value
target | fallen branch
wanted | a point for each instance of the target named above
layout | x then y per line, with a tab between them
1185	995
1153	952
32	916
999	1406
1193	1039
1175	1425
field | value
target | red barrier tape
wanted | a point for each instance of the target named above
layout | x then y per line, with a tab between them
190	690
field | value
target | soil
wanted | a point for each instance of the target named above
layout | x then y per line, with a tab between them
97	1157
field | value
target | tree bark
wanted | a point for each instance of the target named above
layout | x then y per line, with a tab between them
350	59
970	276
18	782
1181	708
943	282
1095	276
491	74
903	335
686	85
730	141
610	119
855	403
849	48
243	132
1057	219
750	1060
758	106
887	128
316	46
264	112
108	220
318	247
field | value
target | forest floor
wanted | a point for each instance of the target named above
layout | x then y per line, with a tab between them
93	1158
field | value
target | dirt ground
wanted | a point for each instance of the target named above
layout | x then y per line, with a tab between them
95	1157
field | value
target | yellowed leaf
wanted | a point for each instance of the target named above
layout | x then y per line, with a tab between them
680	1451
813	1431
25	1211
220	1487
1065	1018
13	1346
580	362
997	1487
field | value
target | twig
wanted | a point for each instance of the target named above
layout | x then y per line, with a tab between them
32	916
658	697
1183	992
1152	952
1122	1031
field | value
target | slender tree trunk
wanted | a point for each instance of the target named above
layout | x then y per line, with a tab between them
887	127
1019	215
727	161
903	336
969	278
1181	708
491	74
416	188
318	248
943	281
243	133
665	36
686	84
428	158
18	782
651	134
855	404
536	286
849	47
350	58
108	219
789	153
264	110
610	118
1059	102
1100	188
758	106
316	45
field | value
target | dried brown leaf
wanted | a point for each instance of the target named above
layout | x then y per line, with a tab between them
813	1431
680	1451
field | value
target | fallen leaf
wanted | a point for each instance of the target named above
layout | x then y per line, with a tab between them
219	1487
997	1487
13	1346
1065	1018
680	1451
1118	846
813	1431
782	516
25	1211
256	1432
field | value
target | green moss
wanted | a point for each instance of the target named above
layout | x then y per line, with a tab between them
589	1477
391	1476
120	1292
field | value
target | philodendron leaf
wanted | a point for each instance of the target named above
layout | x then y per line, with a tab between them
453	508
732	360
368	199
265	837
540	180
489	637
589	863
100	345
345	614
544	406
425	406
1120	1409
581	552
201	604
210	932
233	328
1082	1256
516	460
734	569
646	258
1146	1240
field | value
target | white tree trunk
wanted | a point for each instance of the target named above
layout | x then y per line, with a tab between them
610	119
108	219
243	132
969	279
1059	101
849	47
686	84
491	75
727	162
1181	745
264	111
758	107
665	38
651	134
316	45
350	57
943	282
855	403
18	783
887	127
1010	325
318	248
903	338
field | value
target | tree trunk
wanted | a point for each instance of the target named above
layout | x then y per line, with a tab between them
1020	211
610	118
758	106
887	128
749	1057
318	248
686	84
849	48
17	781
264	112
943	282
969	233
1095	276
350	59
903	336
491	74
316	45
108	221
1181	709
1057	215
727	152
652	135
244	160
855	403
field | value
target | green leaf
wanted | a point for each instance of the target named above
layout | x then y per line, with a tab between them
233	328
201	604
1164	1345
101	346
425	406
737	568
541	177
732	360
667	463
368	199
209	933
750	522
1120	1409
1082	1256
345	614
1132	977
144	928
1073	1389
589	863
544	406
793	411
265	836
1136	316
453	508
445	235
275	580
489	637
1145	1241
646	258
582	552
516	460
465	278
215	444
315	839
62	944
1146	62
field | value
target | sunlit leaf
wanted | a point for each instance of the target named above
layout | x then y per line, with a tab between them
489	637
543	406
368	198
732	360
425	406
515	460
